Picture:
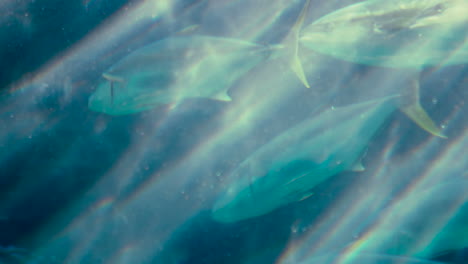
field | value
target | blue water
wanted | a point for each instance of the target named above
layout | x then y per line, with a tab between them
78	186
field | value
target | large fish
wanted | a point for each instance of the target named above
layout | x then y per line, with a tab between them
173	69
394	33
288	167
409	34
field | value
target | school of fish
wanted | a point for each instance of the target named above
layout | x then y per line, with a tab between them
404	35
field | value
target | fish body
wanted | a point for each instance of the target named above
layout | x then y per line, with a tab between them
288	167
393	33
173	69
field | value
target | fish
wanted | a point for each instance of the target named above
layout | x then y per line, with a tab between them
287	168
411	35
173	69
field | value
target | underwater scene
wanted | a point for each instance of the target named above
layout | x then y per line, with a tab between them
234	132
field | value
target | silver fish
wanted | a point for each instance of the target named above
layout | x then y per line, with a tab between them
286	169
173	69
393	33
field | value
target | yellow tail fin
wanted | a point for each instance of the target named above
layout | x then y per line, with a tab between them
413	109
293	37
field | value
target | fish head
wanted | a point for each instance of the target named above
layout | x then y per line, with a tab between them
339	32
236	201
102	100
258	190
234	206
395	33
132	92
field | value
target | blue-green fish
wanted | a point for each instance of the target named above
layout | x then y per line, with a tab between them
286	169
393	33
410	34
173	69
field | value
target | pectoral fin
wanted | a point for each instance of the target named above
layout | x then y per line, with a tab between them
425	22
188	30
305	196
112	78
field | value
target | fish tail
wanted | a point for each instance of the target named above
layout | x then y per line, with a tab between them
413	109
292	43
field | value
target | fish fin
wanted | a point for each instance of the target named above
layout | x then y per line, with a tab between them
296	67
223	96
416	112
429	21
112	78
295	62
305	196
391	28
358	167
188	30
429	16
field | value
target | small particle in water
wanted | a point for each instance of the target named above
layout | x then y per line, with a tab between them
294	229
434	100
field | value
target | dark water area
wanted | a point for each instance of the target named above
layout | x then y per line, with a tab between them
79	186
36	31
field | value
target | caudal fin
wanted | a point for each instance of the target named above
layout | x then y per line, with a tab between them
416	113
292	43
413	109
